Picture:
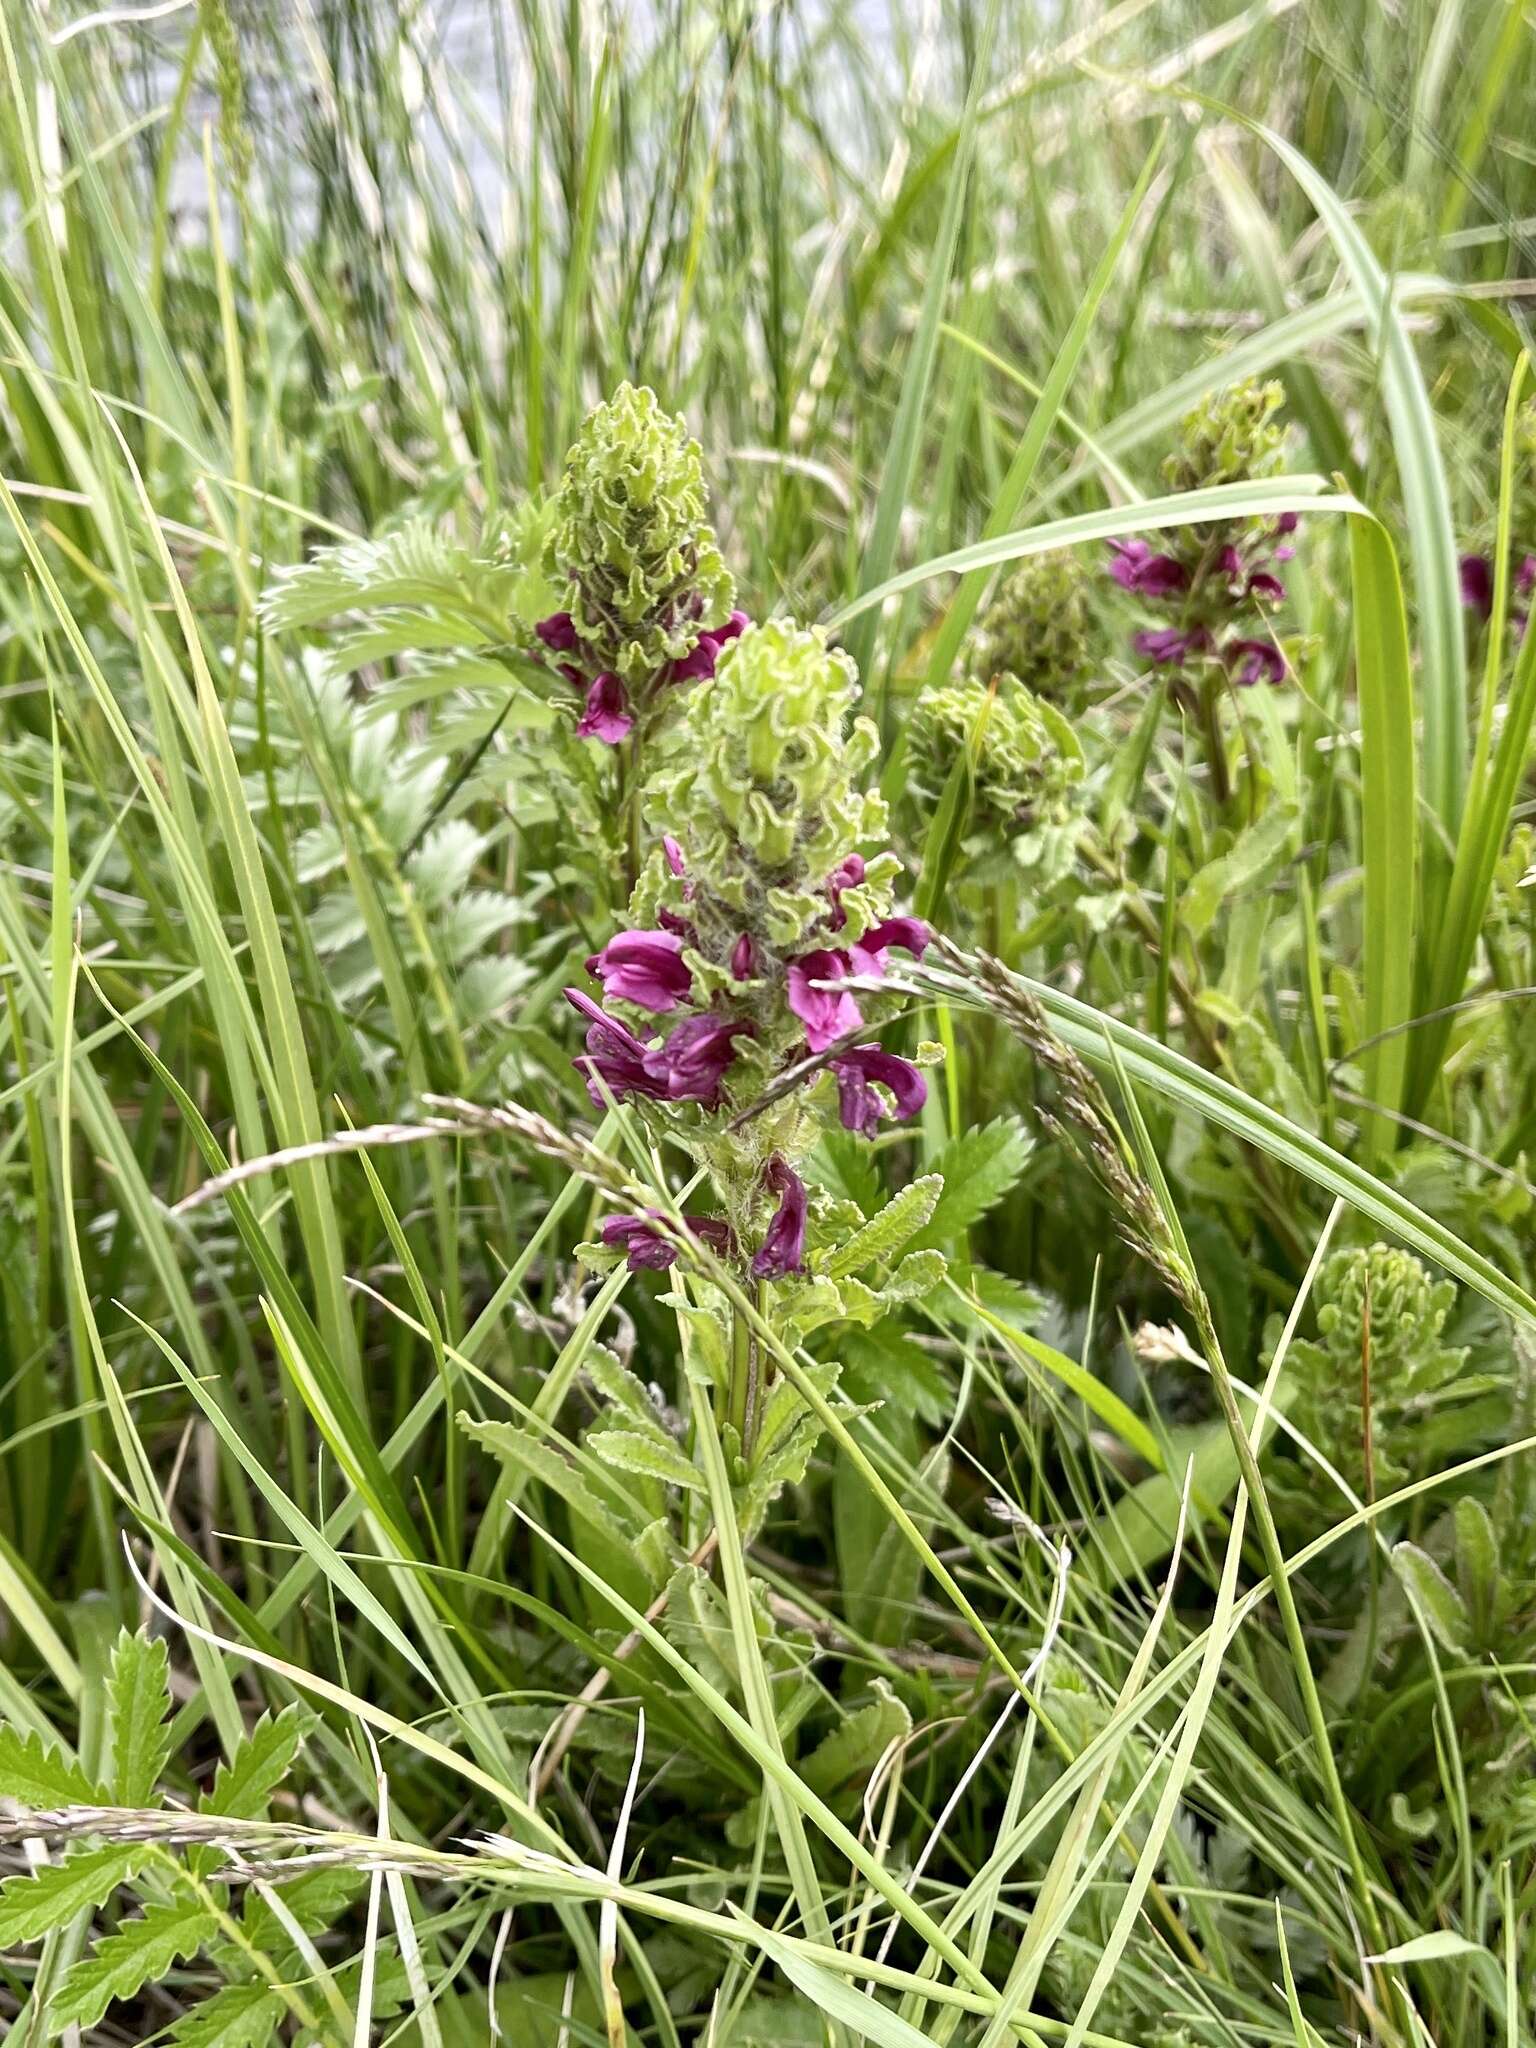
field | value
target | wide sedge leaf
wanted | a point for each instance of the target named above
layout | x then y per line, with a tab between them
1260	500
1389	821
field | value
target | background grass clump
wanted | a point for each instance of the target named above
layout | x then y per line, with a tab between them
1018	1526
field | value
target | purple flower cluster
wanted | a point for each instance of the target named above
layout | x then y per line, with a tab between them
1214	592
607	712
691	1061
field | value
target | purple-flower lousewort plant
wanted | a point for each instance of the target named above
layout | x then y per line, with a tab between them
759	933
1214	589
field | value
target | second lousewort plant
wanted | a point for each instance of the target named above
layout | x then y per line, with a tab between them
766	895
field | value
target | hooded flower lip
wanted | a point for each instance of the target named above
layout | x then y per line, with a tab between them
614	1059
692	1063
1260	661
643	968
558	632
743	958
674	854
1477	584
607	716
827	1013
909	933
698	664
1135	567
645	1247
859	1106
1163	645
846	875
783	1247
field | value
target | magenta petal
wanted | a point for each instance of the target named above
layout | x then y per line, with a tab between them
643	968
827	1014
674	853
645	1247
1261	661
695	1058
1477	584
1262	584
743	958
783	1247
858	1104
558	632
606	717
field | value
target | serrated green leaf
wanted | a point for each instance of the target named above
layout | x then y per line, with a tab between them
314	1900
651	1456
34	1904
139	1693
1433	1594
139	1952
901	1218
38	1776
243	1786
619	1387
239	2016
977	1169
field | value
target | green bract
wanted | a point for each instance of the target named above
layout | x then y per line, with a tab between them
631	545
758	785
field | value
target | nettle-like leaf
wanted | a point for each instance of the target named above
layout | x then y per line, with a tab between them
239	2016
39	1776
139	1952
139	1694
977	1170
243	1786
885	1233
37	1902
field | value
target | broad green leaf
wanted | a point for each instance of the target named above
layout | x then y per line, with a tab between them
1255	855
1430	1948
651	1456
140	1696
37	1775
1433	1594
34	1904
243	1787
239	2016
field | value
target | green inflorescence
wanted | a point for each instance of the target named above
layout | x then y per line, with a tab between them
631	546
1232	436
1039	627
758	784
1026	760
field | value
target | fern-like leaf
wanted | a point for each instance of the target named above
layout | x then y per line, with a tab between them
978	1170
243	1786
901	1218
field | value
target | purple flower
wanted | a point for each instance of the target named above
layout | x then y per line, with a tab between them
1287	522
846	875
743	958
678	926
1163	645
643	968
1477	584
1137	568
693	1061
1231	563
558	632
910	933
614	1059
607	716
1262	661
674	853
644	1245
1525	575
827	1013
783	1247
858	1104
1262	584
698	664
